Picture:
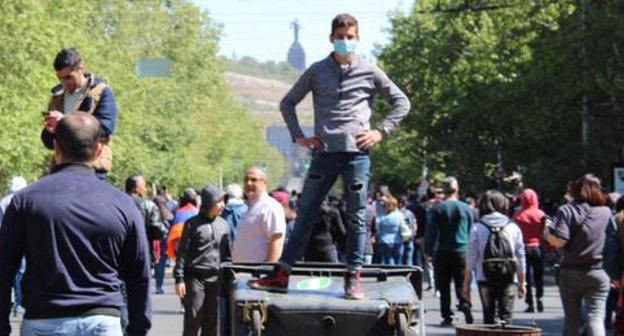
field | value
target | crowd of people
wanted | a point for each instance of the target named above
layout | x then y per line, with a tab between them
447	236
452	239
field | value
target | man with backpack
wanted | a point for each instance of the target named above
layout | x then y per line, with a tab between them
496	253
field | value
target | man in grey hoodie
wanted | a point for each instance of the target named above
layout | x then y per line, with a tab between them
203	246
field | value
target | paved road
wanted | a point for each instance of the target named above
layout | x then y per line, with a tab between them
550	321
167	319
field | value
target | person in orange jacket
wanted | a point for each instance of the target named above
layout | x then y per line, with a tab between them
188	208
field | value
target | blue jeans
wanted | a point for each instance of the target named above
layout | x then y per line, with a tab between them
324	171
159	269
100	325
17	285
408	253
590	287
391	253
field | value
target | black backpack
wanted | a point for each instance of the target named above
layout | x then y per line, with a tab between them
499	264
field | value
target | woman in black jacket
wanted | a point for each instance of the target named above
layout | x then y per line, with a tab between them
328	232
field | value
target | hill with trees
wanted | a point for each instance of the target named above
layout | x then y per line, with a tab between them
248	65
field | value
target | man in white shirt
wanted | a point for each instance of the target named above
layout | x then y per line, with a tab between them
260	233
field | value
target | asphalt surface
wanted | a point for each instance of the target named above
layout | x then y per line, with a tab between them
167	318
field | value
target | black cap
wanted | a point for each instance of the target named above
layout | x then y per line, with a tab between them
189	196
209	196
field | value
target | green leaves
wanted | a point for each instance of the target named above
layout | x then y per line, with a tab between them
507	81
166	126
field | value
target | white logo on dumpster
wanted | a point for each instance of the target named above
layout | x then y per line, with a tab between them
314	283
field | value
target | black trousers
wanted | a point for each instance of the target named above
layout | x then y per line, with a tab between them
497	301
201	306
534	274
450	266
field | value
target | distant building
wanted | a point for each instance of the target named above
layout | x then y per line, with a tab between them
296	54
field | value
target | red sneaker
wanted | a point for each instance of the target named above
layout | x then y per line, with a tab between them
276	281
352	288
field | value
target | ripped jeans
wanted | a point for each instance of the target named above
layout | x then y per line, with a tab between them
324	170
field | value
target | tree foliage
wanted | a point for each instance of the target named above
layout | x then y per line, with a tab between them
501	84
179	131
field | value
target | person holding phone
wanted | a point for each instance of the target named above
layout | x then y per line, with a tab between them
81	91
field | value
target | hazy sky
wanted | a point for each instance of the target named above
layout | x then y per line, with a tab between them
261	28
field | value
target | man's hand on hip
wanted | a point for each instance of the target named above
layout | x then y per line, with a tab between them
311	143
51	120
367	139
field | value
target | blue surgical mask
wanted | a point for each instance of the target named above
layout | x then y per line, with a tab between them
345	47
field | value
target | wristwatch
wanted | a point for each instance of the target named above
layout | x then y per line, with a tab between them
384	131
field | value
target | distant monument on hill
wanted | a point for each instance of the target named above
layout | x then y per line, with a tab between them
296	54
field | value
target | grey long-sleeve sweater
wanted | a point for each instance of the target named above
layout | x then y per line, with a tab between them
343	101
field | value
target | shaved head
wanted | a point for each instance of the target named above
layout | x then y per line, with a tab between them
76	137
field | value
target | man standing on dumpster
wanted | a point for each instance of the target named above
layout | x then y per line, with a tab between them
343	86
